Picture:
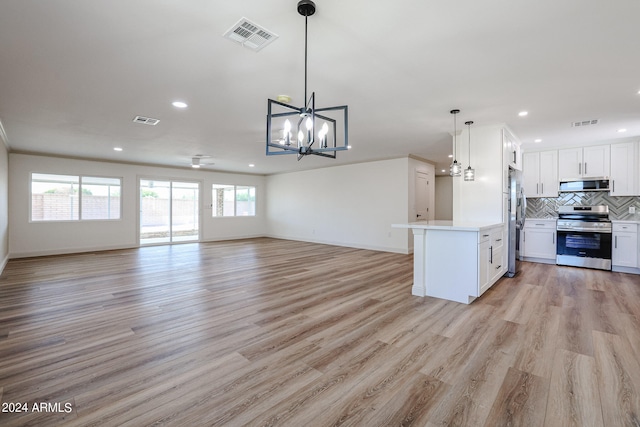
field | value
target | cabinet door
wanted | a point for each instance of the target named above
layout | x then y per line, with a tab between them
549	173
496	265
596	161
569	163
623	170
531	174
483	266
539	243
625	249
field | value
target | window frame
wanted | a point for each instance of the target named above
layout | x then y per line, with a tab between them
79	182
235	200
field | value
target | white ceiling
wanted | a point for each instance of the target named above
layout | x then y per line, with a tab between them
74	74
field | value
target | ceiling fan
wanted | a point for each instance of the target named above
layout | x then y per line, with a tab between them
199	160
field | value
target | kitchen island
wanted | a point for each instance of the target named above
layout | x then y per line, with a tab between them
457	261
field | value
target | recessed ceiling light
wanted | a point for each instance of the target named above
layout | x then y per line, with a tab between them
451	156
443	170
195	166
179	104
251	165
621	130
537	140
117	148
523	113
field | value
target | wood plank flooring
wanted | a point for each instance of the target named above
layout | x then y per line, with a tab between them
267	332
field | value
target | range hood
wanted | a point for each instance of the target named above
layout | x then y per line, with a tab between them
584	184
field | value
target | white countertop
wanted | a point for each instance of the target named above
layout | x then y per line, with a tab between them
448	225
621	221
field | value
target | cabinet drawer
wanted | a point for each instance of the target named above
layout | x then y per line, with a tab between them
546	224
484	236
497	238
629	228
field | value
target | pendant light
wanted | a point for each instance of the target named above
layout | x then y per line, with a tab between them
469	174
306	130
456	168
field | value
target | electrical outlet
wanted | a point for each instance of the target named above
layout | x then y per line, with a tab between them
632	209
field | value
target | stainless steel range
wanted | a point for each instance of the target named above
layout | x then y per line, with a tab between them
584	237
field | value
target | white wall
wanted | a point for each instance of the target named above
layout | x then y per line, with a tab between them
41	238
352	205
444	198
4	205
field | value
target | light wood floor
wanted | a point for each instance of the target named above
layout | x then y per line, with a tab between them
272	332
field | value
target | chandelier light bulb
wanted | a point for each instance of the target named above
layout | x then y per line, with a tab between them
287	132
300	138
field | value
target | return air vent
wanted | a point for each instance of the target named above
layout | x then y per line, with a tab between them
146	120
250	35
584	123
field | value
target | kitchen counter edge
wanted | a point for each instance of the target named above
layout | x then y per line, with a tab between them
449	225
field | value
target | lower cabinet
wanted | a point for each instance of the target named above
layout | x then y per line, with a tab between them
539	240
491	258
624	251
457	263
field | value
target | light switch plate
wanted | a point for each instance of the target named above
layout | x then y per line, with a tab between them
632	209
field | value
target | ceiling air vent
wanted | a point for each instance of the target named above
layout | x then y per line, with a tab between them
146	120
584	123
250	35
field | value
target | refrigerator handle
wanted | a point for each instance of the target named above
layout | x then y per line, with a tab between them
523	207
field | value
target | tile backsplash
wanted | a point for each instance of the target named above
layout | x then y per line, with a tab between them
546	207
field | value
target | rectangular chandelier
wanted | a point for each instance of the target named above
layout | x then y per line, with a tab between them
308	130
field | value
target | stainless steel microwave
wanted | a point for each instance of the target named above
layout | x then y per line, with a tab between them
591	184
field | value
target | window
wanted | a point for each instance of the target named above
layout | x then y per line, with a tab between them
233	200
73	198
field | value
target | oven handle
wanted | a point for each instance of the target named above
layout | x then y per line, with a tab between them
584	230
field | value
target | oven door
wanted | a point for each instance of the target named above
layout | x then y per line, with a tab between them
584	249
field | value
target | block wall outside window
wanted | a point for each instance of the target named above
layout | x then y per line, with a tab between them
233	200
73	198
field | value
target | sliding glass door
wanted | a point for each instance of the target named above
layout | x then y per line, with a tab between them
169	211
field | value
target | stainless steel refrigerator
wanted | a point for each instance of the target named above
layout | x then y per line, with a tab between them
517	207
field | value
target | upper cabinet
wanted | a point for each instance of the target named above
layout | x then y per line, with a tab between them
587	162
540	174
623	171
512	152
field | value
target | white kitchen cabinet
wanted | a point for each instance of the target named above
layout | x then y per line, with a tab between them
623	179
482	199
624	250
483	265
539	239
454	260
512	151
584	162
540	174
491	258
497	255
